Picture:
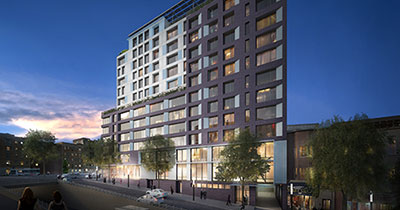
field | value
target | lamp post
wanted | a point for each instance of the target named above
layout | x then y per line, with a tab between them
128	180
371	199
193	186
291	195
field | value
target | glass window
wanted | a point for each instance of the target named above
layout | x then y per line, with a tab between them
172	58
155	54
213	137
155	77
194	80
181	172
229	53
140	50
156	107
266	113
139	134
266	150
266	57
194	52
124	137
146	34
228	19
247	62
216	153
213	44
194	111
173	84
229	135
247	82
194	22
177	128
212	12
213	91
194	96
247	96
213	59
199	171
134	42
265	39
229	87
213	122
181	155
266	77
139	111
172	71
134	53
213	27
124	147
229	119
229	69
179	140
156	42
156	30
262	4
174	102
157	131
266	21
156	119
247	115
194	139
247	46
172	46
213	106
229	37
146	47
176	115
199	154
156	89
139	123
266	131
228	4
194	66
194	36
124	115
247	9
266	94
212	74
194	125
172	33
229	103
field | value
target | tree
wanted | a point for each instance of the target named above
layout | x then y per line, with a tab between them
158	155
395	181
65	167
39	146
347	157
106	153
240	160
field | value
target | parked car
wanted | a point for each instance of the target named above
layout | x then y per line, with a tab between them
158	193
150	199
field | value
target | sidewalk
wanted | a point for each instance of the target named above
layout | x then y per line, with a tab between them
188	198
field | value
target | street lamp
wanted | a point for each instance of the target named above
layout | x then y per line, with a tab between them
193	186
291	195
371	199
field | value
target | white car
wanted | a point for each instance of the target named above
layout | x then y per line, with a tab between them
150	199
158	193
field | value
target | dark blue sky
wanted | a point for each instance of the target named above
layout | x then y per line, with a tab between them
342	58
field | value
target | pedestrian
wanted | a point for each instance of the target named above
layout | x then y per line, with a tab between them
138	184
27	200
172	190
228	202
246	200
120	181
201	194
57	203
205	194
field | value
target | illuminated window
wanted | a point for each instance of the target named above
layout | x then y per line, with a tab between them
229	119
229	53
176	115
212	74
213	136
229	103
266	57
229	135
265	39
266	94
229	69
247	115
266	131
228	4
266	21
266	113
213	122
156	119
194	36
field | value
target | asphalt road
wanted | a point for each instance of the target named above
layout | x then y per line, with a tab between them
7	203
172	201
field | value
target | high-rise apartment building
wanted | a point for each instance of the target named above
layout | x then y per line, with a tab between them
197	74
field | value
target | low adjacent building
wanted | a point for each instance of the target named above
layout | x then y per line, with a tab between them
299	161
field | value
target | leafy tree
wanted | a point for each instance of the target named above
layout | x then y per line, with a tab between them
106	154
158	155
347	157
240	160
39	146
65	167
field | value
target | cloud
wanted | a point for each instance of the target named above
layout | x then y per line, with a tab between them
65	116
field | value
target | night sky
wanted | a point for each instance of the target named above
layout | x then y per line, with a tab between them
57	60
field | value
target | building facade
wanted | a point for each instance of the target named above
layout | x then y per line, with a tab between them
299	162
197	74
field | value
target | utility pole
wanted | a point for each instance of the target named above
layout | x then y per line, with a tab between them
371	199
